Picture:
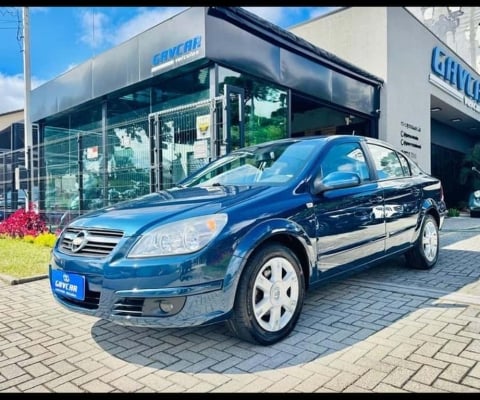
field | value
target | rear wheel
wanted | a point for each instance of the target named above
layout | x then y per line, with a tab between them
269	297
424	253
475	213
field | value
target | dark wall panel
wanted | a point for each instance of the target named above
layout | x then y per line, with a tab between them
74	86
306	76
229	45
353	94
115	68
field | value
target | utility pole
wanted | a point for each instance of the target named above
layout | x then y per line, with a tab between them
27	123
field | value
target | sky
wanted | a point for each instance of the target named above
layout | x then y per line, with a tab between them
63	37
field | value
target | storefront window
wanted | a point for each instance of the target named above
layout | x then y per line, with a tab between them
188	88
312	117
91	162
81	173
128	172
265	107
66	170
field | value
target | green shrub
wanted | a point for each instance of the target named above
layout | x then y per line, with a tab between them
453	212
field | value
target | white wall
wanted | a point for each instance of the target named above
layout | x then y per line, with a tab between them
407	107
9	118
355	34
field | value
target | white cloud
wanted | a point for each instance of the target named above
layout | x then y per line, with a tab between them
99	31
12	88
95	29
13	92
145	19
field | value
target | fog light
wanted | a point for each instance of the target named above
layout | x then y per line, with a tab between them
166	306
162	307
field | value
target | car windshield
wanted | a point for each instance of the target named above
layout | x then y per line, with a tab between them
265	164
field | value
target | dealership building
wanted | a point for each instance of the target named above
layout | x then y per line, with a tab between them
148	112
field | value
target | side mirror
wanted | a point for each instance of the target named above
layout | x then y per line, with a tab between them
335	180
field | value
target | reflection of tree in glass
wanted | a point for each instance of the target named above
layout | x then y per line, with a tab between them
467	175
391	165
259	129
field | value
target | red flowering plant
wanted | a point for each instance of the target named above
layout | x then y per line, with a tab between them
22	223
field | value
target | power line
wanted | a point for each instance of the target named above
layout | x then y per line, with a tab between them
8	11
14	23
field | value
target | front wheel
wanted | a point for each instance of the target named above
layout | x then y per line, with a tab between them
269	297
424	253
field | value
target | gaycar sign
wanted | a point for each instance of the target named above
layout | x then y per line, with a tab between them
177	54
466	86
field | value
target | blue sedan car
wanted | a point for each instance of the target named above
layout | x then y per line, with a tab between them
243	238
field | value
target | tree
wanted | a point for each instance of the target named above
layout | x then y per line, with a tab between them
469	176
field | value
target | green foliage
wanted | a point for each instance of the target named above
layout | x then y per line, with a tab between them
25	245
467	176
453	212
20	259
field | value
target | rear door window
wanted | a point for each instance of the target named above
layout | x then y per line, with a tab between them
387	162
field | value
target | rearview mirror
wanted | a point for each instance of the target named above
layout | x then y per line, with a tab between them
335	180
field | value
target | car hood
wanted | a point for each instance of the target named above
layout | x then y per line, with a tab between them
134	216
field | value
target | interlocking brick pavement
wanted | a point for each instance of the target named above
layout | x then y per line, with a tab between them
386	329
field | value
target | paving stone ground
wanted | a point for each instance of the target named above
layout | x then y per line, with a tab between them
386	329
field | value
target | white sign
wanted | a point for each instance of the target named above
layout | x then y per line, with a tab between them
203	127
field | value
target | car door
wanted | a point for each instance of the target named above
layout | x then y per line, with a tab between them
402	193
347	231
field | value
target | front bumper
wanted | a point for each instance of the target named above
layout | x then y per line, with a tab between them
191	304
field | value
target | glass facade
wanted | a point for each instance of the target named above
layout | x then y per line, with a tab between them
265	108
447	164
149	137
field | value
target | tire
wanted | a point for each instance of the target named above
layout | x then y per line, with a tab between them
424	253
268	305
475	213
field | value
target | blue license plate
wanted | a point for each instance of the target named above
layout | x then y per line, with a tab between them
67	284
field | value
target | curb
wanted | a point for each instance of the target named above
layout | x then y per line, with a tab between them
16	281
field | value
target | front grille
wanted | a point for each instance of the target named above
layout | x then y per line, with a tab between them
89	242
128	306
91	302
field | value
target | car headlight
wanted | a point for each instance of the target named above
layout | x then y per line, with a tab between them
181	237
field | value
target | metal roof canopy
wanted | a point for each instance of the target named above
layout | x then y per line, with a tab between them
273	33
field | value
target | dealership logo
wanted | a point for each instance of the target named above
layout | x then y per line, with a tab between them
177	54
458	78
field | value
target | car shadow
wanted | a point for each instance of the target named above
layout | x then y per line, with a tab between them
336	316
